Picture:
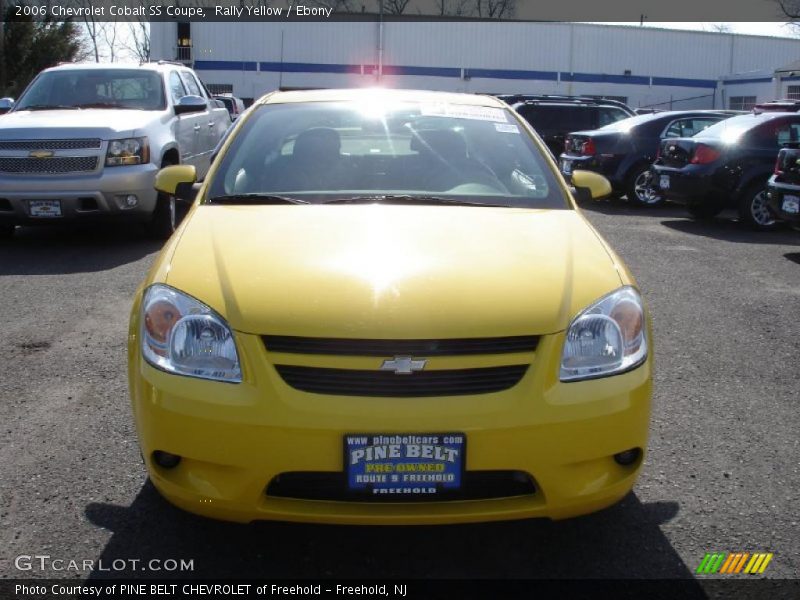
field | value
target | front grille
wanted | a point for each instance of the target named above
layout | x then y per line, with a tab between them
59	164
49	144
444	347
475	485
453	382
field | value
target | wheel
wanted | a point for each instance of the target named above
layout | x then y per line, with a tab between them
705	210
640	190
166	215
753	209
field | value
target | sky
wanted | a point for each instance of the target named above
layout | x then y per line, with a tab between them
768	28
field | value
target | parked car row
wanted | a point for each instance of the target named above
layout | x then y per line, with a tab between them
707	160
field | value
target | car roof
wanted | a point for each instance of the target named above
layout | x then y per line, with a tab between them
345	95
153	66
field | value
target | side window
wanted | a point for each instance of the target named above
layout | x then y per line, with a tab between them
607	115
699	125
675	129
773	134
176	89
191	84
788	133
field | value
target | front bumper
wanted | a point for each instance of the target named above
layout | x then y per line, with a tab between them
235	438
97	195
777	193
605	166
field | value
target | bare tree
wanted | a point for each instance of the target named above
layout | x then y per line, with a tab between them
395	7
138	44
109	35
718	27
791	11
494	9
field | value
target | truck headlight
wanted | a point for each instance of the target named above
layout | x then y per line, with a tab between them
181	335
128	151
607	338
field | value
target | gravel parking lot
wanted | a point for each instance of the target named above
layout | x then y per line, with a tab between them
723	471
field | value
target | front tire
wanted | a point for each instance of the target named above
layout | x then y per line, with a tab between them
165	219
640	190
753	209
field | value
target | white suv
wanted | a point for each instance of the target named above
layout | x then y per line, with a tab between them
84	141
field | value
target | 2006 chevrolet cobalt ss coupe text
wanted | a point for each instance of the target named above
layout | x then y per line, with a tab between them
385	308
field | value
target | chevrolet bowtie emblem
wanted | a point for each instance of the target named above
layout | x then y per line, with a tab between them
41	154
403	365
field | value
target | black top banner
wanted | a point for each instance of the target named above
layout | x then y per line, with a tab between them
413	10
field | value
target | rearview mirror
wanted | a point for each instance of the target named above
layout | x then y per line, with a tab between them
178	181
597	186
190	104
6	104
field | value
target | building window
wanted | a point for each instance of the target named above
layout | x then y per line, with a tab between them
742	102
218	89
793	92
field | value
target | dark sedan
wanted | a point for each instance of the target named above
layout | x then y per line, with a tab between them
727	165
623	151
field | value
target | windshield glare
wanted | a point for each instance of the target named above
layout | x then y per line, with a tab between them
323	151
95	88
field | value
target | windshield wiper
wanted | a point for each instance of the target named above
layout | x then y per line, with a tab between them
408	199
49	107
100	105
255	199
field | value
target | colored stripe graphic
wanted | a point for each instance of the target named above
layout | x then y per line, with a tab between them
734	562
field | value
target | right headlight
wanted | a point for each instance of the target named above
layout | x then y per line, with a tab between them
183	336
607	338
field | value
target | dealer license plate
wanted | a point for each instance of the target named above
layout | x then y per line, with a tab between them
791	205
403	464
566	167
663	182
45	208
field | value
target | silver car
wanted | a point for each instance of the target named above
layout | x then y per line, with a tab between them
84	142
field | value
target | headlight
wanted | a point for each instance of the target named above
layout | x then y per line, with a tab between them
129	151
183	336
607	338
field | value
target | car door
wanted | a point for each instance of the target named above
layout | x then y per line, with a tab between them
213	122
188	125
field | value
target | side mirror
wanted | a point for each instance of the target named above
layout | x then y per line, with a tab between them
6	104
190	104
178	181
596	185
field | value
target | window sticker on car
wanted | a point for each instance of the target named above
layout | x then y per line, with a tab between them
464	111
506	127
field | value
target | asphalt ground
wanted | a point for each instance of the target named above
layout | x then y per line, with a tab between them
722	474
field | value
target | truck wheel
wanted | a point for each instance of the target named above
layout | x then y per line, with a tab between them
703	211
640	190
753	209
165	215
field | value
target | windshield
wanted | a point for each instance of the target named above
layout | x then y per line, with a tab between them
331	151
95	88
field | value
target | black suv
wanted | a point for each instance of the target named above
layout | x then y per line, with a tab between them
624	151
553	117
728	164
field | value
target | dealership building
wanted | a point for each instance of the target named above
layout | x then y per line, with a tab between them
643	66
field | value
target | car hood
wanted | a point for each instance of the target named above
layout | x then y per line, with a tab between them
69	124
391	271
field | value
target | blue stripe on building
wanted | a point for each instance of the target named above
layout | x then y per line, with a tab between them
402	70
752	80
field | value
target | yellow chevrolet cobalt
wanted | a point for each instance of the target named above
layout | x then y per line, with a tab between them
385	308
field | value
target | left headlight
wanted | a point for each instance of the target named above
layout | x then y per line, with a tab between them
183	336
128	151
608	338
